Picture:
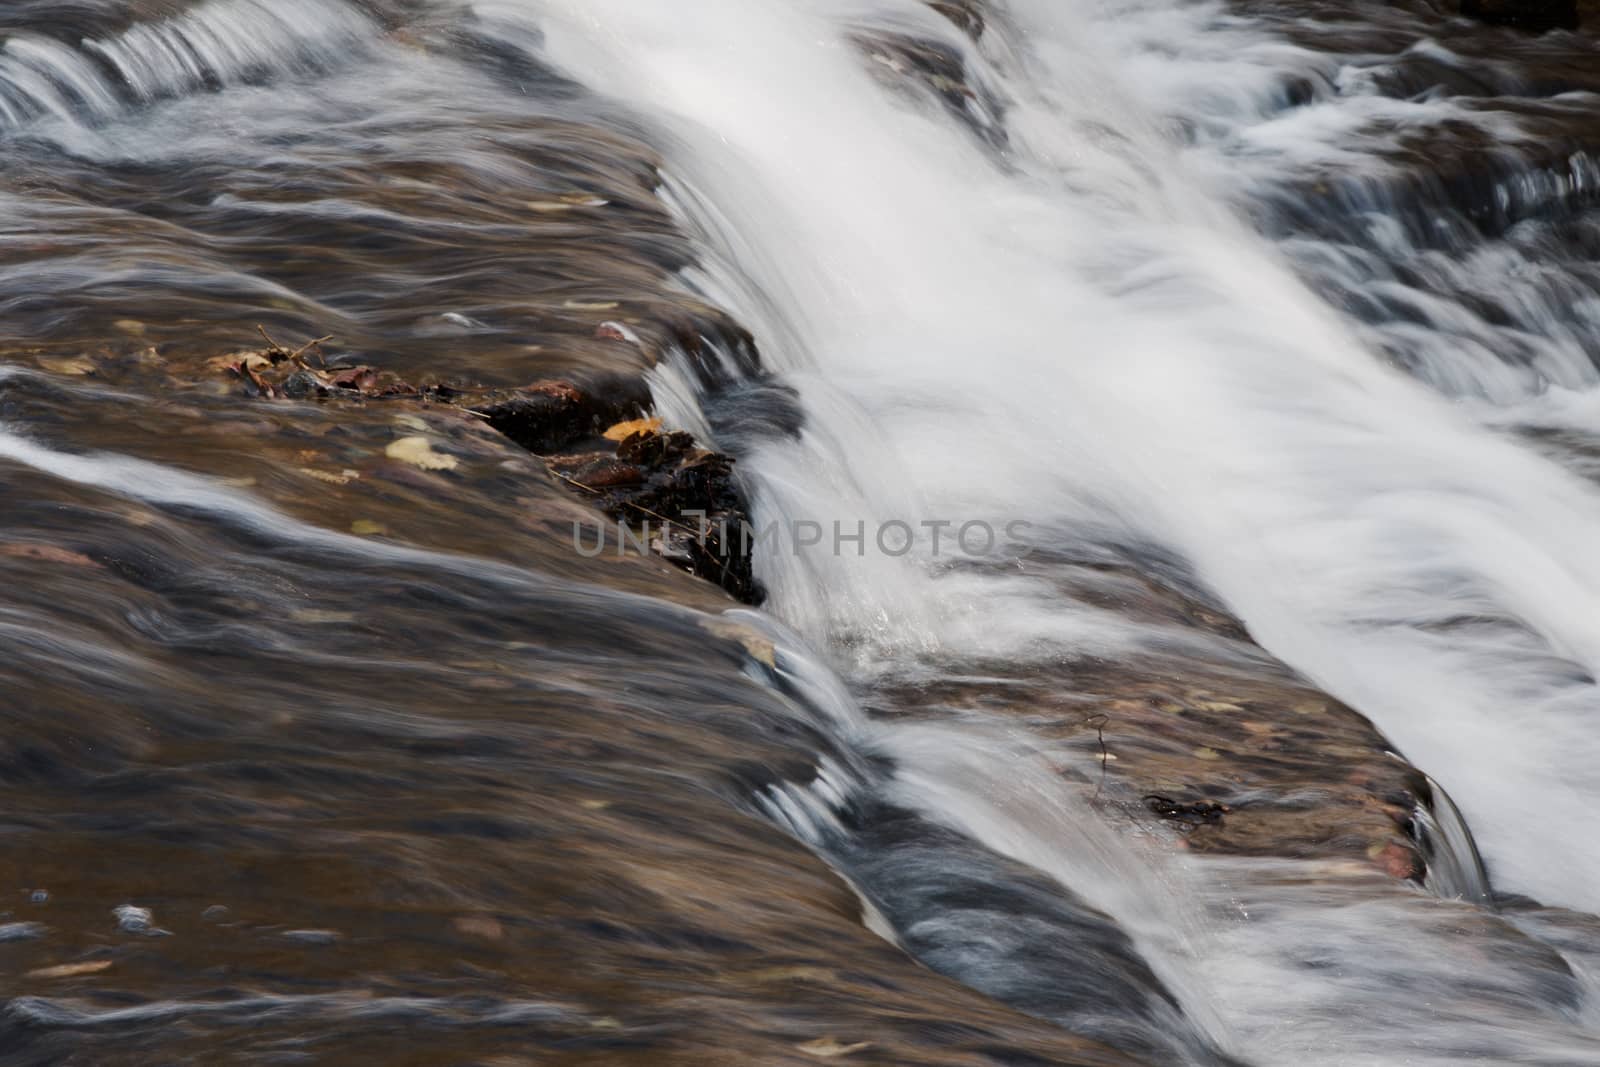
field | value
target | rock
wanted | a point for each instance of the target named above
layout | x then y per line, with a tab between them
551	415
133	919
1538	16
683	494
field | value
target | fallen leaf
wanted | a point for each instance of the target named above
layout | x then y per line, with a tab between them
411	422
827	1048
75	365
367	528
623	430
1207	754
418	452
342	478
70	970
130	326
591	305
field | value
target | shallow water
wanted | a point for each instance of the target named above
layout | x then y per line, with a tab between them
1279	376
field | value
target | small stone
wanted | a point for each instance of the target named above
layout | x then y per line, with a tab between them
215	913
133	919
39	896
312	937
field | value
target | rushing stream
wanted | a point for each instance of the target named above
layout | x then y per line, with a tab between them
1178	430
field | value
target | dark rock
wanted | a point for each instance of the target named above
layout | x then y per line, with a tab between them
1200	811
1535	15
682	496
548	416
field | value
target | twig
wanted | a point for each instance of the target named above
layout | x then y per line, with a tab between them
317	344
625	503
1099	723
272	346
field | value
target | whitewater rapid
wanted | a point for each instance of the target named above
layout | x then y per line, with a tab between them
1083	332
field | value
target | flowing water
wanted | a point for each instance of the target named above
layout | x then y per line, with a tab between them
1259	339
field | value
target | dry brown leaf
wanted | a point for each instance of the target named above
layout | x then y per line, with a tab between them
342	478
418	452
623	430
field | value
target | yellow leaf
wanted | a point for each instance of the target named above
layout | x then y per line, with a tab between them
130	326
827	1048
367	528
591	305
419	453
77	365
70	970
623	430
1207	754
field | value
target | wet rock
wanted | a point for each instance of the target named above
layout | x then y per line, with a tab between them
1192	813
967	14
132	919
551	415
1537	16
682	498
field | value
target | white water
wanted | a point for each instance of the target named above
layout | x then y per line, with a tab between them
1093	341
222	42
